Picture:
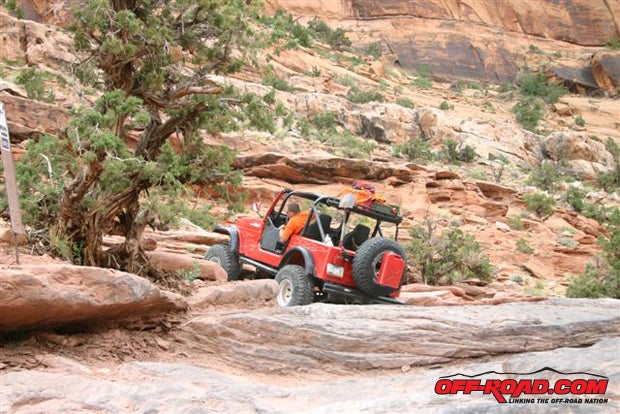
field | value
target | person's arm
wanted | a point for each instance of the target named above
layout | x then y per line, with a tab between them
286	232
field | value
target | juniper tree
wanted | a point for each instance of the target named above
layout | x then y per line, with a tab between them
155	62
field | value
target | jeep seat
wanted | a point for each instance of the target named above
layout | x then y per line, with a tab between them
313	232
354	239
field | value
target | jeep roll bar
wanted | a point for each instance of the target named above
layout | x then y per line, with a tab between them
334	202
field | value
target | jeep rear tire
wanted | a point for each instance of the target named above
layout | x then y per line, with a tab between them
367	262
222	255
295	288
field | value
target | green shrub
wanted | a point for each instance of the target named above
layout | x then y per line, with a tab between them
501	158
517	279
445	106
373	49
12	6
533	88
415	149
537	290
193	273
467	154
284	26
325	121
515	222
596	212
528	111
540	203
537	85
357	96
346	80
422	77
33	82
455	152
613	148
349	145
610	181
449	257
568	242
478	174
524	247
422	82
536	49
545	176
273	80
505	87
337	39
597	281
580	121
613	44
314	72
258	113
405	102
575	197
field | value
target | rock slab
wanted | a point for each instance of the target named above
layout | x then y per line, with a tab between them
341	338
57	295
149	387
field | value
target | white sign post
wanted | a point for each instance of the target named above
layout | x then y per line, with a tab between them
9	178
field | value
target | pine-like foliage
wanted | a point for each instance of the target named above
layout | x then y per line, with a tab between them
156	63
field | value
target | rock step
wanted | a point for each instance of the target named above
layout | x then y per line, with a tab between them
344	338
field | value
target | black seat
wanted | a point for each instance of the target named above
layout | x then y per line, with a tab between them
354	239
313	232
334	234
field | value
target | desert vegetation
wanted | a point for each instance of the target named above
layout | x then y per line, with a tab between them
154	76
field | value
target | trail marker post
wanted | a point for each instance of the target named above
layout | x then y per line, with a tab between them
11	183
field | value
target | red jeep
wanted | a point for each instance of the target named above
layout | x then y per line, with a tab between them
341	255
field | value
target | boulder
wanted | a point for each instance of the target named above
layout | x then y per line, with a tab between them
382	122
538	269
319	170
200	237
261	290
587	225
606	70
26	117
577	76
183	262
35	43
431	298
58	295
584	157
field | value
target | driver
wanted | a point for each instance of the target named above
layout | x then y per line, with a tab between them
296	222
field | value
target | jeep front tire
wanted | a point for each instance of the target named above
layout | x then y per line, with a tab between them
221	254
295	288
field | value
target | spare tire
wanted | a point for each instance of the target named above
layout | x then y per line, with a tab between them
367	263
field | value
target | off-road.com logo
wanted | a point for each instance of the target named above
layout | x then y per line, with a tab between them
580	390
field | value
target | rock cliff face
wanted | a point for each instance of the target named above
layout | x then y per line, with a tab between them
583	22
453	38
468	38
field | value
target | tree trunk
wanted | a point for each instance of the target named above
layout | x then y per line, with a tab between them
74	236
129	255
79	231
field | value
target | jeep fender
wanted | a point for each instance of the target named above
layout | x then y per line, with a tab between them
233	233
299	256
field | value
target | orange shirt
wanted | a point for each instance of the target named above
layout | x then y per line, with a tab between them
295	225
